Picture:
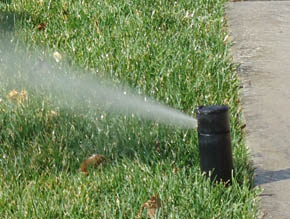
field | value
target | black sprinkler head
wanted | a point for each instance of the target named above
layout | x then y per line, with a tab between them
214	139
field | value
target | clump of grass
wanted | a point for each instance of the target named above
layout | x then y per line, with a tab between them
173	51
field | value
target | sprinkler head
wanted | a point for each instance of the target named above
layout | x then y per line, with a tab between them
215	142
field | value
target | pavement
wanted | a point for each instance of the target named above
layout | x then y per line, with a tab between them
260	31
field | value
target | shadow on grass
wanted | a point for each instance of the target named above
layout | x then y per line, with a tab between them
5	1
7	21
10	19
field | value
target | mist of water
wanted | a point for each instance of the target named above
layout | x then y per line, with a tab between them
72	87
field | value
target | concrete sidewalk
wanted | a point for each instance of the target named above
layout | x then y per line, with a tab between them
260	31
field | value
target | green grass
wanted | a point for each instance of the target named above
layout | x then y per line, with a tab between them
173	51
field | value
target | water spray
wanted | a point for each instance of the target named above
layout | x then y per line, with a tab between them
212	121
215	142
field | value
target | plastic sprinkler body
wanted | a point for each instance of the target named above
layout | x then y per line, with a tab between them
214	139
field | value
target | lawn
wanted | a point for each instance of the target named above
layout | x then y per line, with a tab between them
176	52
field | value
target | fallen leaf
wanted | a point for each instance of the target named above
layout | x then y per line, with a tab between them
94	160
226	38
57	56
19	97
41	26
152	206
